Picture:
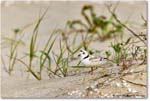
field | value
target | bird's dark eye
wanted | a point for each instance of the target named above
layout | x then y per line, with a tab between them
80	50
83	52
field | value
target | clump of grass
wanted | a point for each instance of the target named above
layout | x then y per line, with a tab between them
32	48
101	26
119	51
61	62
126	52
45	53
14	42
34	39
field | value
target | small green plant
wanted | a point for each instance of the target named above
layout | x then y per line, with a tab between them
121	51
14	42
99	25
127	51
61	62
117	49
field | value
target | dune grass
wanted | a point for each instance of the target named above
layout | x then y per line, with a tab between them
96	28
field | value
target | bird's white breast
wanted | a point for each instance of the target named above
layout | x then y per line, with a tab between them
86	62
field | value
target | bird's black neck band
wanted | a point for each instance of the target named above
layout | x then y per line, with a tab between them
86	57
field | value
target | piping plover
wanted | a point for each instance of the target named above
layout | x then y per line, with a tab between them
90	60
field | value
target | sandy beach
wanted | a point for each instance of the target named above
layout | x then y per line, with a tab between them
21	84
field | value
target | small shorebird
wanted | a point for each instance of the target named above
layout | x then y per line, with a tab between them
90	60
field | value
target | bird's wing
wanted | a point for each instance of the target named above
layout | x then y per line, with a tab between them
96	59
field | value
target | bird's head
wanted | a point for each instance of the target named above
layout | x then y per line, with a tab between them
83	54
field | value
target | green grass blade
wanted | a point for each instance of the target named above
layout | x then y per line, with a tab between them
34	37
42	61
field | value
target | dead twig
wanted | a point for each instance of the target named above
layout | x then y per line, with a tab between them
3	62
130	30
101	84
133	82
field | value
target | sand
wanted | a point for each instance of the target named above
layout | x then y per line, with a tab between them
23	85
